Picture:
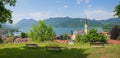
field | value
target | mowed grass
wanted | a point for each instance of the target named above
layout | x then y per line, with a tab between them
69	51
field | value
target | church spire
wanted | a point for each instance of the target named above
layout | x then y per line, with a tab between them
86	26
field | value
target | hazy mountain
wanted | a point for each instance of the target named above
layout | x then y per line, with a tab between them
26	23
113	21
68	22
71	22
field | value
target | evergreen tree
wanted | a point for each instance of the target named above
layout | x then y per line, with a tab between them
23	35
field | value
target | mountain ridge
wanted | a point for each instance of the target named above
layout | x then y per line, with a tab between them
68	22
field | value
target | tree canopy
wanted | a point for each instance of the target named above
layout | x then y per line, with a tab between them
5	14
117	10
41	32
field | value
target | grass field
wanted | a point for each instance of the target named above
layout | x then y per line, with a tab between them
69	51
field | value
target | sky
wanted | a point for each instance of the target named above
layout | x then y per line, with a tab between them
43	9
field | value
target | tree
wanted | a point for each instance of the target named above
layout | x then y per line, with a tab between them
41	32
115	32
117	10
23	35
65	37
5	14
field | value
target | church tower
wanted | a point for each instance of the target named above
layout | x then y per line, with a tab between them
86	26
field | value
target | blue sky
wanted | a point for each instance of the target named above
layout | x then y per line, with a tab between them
42	9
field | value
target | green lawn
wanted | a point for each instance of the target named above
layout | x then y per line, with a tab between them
69	51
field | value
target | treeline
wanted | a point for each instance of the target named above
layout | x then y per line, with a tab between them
79	22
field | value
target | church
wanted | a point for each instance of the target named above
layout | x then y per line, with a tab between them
81	32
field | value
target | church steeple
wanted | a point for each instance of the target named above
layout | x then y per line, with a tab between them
86	26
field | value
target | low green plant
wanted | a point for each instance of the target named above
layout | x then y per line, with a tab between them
1	41
118	38
93	36
78	38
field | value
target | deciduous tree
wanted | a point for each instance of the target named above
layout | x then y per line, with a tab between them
41	32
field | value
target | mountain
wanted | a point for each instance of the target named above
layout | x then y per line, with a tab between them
113	21
68	22
26	23
6	28
71	22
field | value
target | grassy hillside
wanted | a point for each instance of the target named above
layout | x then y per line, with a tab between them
69	51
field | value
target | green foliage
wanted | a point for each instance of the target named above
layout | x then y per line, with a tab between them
107	27
117	10
6	13
1	41
115	32
118	38
23	35
41	32
71	22
65	37
10	39
93	36
78	38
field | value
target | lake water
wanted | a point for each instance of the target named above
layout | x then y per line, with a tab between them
68	30
59	31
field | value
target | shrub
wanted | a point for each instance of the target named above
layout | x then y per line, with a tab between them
93	36
78	38
118	38
1	41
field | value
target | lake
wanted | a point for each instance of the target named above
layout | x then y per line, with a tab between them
68	30
59	31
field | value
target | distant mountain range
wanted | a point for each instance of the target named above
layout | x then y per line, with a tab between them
61	22
26	23
68	22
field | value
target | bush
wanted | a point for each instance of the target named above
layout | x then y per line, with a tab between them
1	41
78	38
93	36
118	38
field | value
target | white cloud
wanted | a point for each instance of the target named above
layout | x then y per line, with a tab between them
98	14
65	6
39	15
35	15
79	1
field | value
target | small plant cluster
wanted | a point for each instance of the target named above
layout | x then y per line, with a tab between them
92	36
